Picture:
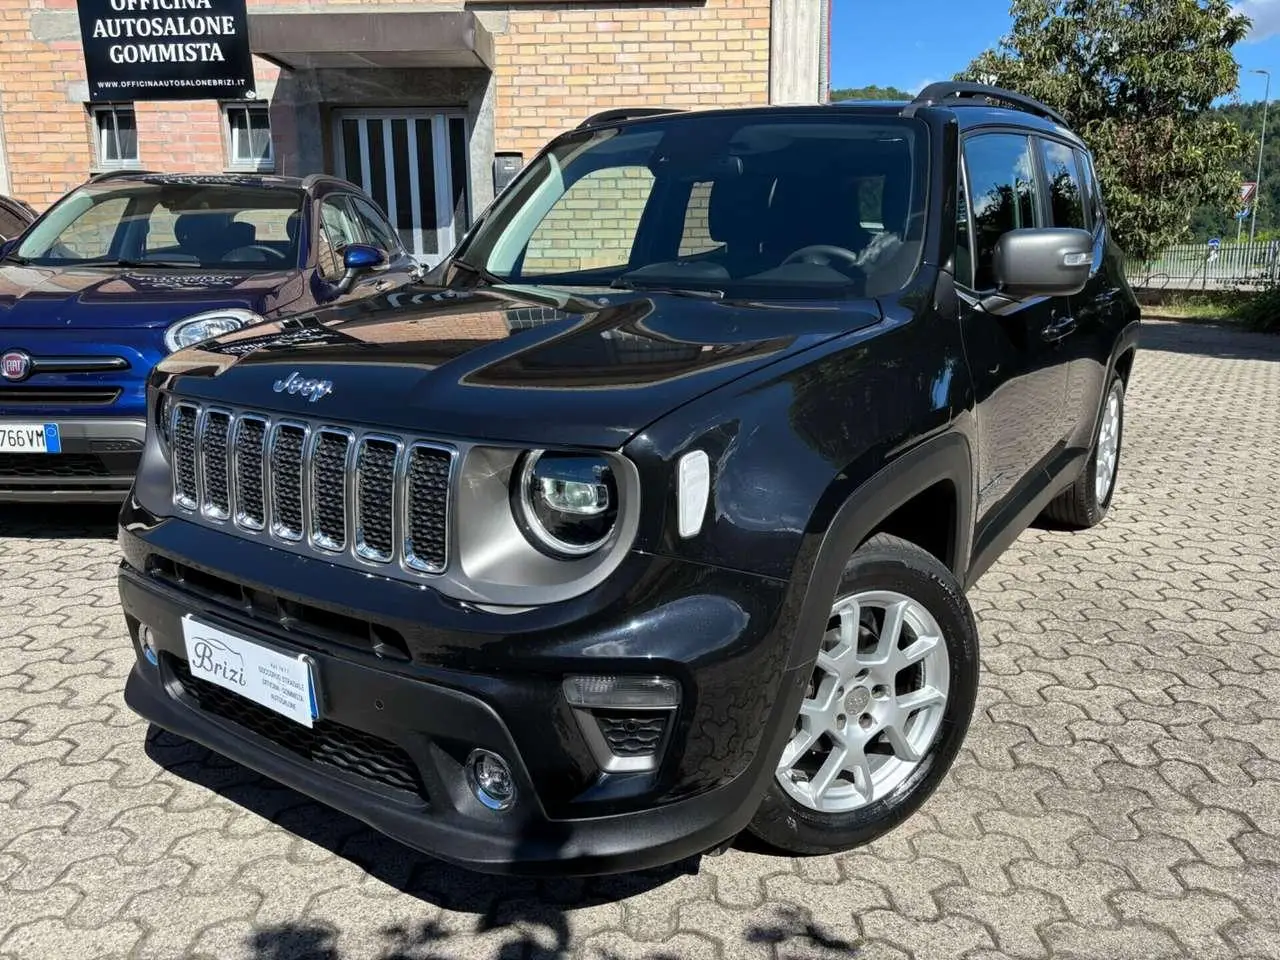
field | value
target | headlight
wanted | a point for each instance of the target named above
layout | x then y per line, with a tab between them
565	503
203	326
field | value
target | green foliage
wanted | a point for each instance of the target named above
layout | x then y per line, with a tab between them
1261	311
1210	221
871	93
1136	80
1255	309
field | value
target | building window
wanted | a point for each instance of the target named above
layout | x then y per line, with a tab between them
248	132
116	135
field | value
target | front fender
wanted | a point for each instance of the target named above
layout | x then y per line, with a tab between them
858	513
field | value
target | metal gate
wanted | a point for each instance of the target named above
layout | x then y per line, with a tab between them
415	166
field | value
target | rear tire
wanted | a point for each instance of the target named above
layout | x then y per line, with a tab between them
1085	503
889	705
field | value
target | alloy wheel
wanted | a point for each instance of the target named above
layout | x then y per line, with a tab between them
1108	451
874	705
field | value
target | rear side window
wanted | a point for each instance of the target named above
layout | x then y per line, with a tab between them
1092	189
338	231
1002	194
1066	194
376	229
964	250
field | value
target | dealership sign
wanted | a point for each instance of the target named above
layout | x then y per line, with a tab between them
166	49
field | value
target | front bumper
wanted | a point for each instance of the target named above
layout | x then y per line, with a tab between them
395	731
98	461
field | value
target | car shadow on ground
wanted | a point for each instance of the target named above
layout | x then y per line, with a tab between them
533	912
59	521
1226	341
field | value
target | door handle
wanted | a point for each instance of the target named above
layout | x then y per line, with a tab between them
1057	329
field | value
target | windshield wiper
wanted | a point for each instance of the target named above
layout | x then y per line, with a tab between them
622	283
14	258
127	262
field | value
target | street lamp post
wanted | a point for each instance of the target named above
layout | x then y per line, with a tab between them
1257	194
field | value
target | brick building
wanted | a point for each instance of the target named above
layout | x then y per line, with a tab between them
414	100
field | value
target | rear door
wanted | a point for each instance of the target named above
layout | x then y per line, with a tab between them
1018	365
1067	206
1099	313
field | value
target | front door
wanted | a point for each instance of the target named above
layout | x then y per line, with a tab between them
415	166
1016	356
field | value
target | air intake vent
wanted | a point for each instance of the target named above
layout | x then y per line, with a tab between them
287	443
329	490
428	483
186	493
375	499
251	433
213	454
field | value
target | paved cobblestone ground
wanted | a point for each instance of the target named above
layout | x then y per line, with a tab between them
1119	795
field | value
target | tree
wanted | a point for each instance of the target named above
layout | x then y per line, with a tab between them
1137	80
870	93
1211	221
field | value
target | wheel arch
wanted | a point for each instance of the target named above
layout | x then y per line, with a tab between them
897	498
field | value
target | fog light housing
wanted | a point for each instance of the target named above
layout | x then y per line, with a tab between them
147	640
625	720
491	780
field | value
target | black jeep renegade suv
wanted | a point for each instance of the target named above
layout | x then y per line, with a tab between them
649	517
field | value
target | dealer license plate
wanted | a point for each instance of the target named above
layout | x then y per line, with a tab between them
275	680
30	438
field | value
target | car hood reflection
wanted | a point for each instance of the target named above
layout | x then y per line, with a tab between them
507	363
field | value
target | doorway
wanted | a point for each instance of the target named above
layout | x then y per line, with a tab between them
414	163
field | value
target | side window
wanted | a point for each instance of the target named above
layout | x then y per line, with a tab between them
376	228
337	229
1092	189
1002	193
593	224
1066	196
964	250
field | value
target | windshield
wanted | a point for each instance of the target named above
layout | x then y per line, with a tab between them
170	225
748	205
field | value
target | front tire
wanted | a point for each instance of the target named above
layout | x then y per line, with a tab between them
887	708
1085	503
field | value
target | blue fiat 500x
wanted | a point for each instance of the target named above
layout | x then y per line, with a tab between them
130	267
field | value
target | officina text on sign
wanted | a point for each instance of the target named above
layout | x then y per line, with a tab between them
166	49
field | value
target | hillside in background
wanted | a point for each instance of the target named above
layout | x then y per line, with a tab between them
1207	222
871	93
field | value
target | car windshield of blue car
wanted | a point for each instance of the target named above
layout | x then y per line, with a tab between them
758	206
169	226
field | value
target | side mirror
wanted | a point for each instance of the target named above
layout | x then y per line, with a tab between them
358	258
1043	262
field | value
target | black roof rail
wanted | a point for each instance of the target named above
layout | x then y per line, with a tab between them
114	174
625	113
960	90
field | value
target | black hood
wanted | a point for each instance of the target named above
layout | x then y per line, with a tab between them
506	363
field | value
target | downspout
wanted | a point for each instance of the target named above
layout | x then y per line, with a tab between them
824	55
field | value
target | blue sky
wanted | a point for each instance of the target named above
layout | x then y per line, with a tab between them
909	43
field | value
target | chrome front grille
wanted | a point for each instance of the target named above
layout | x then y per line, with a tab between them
320	488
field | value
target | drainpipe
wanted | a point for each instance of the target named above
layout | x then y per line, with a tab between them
824	55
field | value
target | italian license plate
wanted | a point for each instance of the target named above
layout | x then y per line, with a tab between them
275	680
30	438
